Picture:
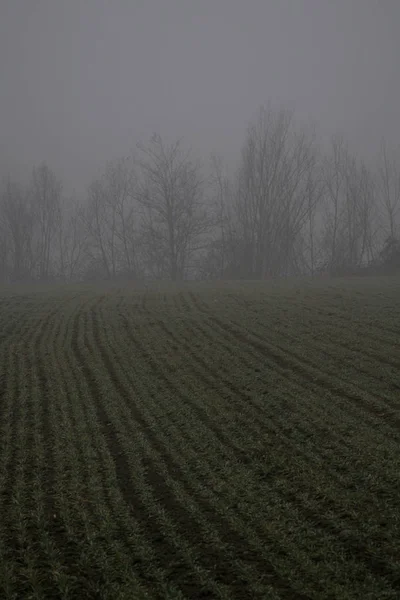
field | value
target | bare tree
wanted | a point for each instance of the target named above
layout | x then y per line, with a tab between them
367	215
73	245
46	197
17	221
334	186
4	252
272	192
96	223
287	210
170	194
110	218
216	259
349	210
358	212
389	189
119	184
311	253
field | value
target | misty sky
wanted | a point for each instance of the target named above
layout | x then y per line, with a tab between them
81	81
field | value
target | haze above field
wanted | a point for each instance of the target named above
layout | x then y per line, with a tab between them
177	140
82	82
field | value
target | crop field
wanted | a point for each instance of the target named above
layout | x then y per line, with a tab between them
228	441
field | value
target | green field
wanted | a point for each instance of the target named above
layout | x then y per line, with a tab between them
232	441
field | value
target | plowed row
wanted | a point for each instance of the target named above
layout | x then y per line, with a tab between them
232	442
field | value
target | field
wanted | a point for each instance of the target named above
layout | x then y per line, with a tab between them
232	441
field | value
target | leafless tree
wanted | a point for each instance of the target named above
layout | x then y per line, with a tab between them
311	252
334	186
389	189
120	184
349	216
289	209
96	223
110	218
358	212
73	245
171	195
46	197
216	259
17	222
272	192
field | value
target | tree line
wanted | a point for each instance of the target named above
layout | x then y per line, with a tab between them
288	209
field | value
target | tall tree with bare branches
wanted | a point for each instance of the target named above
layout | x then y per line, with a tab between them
171	196
46	191
272	192
388	179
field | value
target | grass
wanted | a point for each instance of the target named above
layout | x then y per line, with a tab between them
225	441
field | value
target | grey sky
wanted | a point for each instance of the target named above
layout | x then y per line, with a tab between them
83	80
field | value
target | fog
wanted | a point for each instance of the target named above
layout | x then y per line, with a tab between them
83	82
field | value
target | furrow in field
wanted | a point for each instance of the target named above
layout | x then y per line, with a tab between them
342	523
258	421
337	331
121	546
333	468
77	360
81	362
363	327
378	371
125	392
88	527
255	416
376	410
14	513
13	324
182	301
57	389
160	371
64	465
271	515
195	337
31	532
42	352
291	382
332	372
329	378
23	534
40	506
182	520
144	299
10	408
213	378
328	415
156	372
79	426
161	458
9	350
323	516
10	386
178	468
18	384
311	374
164	548
345	318
283	320
228	400
114	359
120	463
229	565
